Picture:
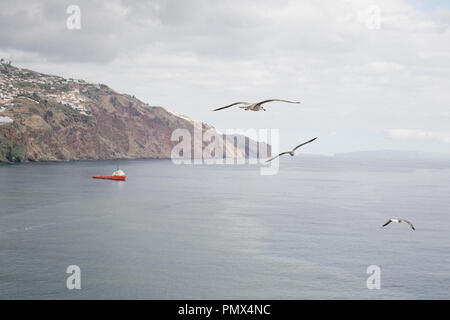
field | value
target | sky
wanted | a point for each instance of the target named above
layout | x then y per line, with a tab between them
370	75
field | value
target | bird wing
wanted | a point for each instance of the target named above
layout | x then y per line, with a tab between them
389	221
410	224
276	156
304	144
230	105
270	100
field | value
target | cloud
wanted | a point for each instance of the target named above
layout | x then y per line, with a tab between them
419	135
192	56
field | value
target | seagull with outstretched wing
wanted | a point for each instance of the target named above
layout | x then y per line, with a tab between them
233	104
292	152
398	220
254	106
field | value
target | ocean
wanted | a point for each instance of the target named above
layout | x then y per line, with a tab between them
225	231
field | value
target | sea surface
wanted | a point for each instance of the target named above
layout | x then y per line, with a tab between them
225	231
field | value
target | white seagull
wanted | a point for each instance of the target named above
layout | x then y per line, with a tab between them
293	150
398	220
253	106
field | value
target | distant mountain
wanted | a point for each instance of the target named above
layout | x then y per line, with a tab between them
45	117
393	155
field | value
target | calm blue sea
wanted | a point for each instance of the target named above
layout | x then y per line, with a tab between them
224	231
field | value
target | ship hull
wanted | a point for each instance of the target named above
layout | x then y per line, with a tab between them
119	178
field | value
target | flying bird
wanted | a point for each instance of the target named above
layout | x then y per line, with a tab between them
398	220
293	150
254	106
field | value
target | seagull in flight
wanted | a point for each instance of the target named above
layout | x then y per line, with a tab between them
253	106
398	220
293	150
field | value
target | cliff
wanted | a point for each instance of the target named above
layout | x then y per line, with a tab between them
44	117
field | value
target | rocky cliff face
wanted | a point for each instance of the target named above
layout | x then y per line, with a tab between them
46	117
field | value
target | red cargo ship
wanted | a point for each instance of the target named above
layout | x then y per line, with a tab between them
117	175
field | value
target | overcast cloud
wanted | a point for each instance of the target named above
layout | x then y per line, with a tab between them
358	81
